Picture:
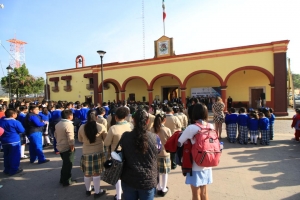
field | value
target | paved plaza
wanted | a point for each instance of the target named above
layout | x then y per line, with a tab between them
245	172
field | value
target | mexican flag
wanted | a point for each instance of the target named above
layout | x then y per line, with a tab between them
164	11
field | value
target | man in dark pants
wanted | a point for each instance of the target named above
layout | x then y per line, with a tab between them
64	134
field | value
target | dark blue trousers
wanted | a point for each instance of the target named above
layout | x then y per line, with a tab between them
12	155
36	147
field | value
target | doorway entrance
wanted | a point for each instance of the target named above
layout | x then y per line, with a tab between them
255	96
88	99
169	93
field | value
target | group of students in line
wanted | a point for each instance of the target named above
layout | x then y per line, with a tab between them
250	123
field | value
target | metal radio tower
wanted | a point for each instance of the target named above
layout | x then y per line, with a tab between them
17	50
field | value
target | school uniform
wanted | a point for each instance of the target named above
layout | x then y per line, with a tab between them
106	111
46	118
242	121
55	118
173	123
253	129
231	126
296	125
102	120
185	121
34	128
83	114
271	126
64	133
263	124
10	141
151	122
21	118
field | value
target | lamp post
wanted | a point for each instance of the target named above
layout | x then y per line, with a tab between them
9	70
101	54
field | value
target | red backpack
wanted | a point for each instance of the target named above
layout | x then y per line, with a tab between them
206	150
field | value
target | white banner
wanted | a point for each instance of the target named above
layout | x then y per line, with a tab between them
203	91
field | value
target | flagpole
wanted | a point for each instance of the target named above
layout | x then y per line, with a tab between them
164	15
164	28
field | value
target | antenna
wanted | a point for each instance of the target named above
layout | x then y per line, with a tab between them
17	50
143	22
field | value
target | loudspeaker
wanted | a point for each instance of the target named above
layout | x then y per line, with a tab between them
144	99
263	95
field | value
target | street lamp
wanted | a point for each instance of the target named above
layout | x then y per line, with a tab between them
9	70
101	54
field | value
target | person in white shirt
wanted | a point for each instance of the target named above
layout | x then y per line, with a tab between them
201	176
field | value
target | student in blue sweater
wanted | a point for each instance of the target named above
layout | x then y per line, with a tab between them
83	113
253	127
34	127
46	117
21	116
55	118
231	125
263	124
243	126
11	142
269	114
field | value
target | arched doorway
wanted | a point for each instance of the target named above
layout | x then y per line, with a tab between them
166	87
205	85
111	91
246	85
135	88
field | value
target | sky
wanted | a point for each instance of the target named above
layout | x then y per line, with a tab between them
57	31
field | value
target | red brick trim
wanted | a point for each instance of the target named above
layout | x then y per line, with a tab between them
131	78
200	72
163	75
264	71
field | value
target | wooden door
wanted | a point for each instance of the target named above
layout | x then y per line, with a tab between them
132	97
255	95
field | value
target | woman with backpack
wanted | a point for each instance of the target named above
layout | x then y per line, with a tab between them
200	176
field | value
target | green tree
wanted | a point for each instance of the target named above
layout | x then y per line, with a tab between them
296	80
22	82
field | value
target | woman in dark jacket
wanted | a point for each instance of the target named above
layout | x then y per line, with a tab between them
139	149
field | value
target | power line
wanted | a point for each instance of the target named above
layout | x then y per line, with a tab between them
7	51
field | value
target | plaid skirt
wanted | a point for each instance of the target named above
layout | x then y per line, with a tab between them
92	163
231	131
23	139
253	132
164	165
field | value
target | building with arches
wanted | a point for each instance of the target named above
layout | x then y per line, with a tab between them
245	73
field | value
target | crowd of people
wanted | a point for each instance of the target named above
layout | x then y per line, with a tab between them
123	128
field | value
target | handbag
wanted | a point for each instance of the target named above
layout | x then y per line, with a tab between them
113	170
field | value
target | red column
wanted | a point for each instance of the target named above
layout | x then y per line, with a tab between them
150	96
272	96
183	96
100	98
123	95
117	96
224	96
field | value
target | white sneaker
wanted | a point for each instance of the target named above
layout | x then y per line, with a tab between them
24	157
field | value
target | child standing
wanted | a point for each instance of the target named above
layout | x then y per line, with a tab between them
243	126
45	116
263	124
231	125
296	124
271	124
163	158
253	127
21	116
11	142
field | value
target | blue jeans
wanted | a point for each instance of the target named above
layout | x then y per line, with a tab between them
36	147
12	154
130	193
